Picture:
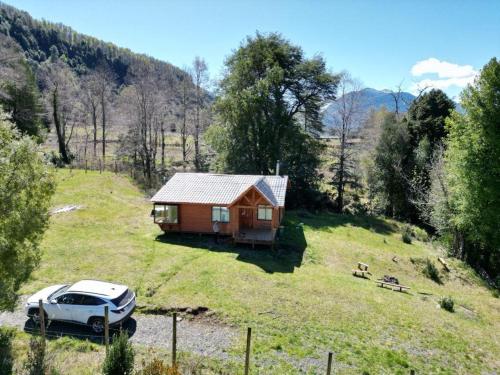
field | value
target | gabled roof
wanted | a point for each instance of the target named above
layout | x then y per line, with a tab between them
224	189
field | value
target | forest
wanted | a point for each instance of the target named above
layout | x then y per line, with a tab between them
92	104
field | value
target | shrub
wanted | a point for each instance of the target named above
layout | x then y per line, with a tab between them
36	363
158	367
406	234
447	303
6	357
431	271
120	357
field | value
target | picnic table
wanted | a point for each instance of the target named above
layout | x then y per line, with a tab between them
393	286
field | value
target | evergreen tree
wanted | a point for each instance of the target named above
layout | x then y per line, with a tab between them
26	186
268	86
388	180
23	102
473	167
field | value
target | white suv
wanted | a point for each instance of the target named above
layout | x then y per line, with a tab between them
83	302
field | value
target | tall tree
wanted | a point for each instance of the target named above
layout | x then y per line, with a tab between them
90	86
268	82
186	106
388	180
19	94
26	186
144	107
61	87
200	79
106	85
473	167
347	116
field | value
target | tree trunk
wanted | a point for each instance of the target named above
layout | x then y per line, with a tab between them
59	130
94	123
103	109
162	147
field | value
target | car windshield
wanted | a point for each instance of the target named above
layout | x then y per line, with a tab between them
59	291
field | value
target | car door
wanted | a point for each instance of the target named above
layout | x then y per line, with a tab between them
66	306
91	306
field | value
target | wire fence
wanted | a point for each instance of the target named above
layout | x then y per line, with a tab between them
44	327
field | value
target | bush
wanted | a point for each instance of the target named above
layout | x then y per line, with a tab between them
158	367
431	271
406	234
36	363
120	357
6	357
447	303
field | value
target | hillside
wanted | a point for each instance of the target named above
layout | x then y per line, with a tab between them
39	39
301	300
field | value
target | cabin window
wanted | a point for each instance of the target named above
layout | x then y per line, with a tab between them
265	213
220	214
166	214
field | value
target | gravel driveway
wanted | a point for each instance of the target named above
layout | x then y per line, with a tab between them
199	336
196	336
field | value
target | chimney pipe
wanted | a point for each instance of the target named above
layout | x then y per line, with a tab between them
278	168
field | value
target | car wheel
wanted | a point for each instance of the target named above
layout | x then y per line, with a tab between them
97	325
35	316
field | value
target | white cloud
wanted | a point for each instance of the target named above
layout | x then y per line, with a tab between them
448	74
443	69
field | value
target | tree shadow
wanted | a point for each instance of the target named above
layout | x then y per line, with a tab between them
57	329
328	221
287	254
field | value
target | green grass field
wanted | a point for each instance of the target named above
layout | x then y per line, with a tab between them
301	300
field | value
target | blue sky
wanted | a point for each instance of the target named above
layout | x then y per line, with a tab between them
435	43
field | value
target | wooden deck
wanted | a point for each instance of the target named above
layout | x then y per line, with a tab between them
255	236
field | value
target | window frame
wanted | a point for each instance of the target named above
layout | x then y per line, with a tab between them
265	207
166	205
220	214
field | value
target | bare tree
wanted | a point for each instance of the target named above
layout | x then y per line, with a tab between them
61	88
144	105
200	79
90	86
347	116
186	108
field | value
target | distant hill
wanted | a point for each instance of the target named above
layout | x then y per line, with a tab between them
371	99
39	39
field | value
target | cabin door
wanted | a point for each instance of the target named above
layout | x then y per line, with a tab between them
246	218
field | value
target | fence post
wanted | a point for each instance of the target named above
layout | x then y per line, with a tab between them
85	165
106	327
174	339
41	316
329	366
247	354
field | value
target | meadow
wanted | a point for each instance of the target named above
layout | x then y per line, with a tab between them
301	299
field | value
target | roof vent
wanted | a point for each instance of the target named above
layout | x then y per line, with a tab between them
278	168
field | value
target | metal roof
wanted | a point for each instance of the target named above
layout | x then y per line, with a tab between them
224	189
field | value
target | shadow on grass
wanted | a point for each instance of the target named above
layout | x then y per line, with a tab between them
57	329
289	250
284	258
327	221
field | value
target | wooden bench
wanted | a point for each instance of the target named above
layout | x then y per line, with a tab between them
393	286
362	266
360	273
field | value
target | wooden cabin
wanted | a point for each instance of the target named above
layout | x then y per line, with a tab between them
249	208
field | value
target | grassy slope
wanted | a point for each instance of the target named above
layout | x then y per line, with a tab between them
318	307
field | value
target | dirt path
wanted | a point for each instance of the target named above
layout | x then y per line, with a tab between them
196	336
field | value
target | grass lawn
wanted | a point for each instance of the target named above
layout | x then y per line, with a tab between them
301	300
